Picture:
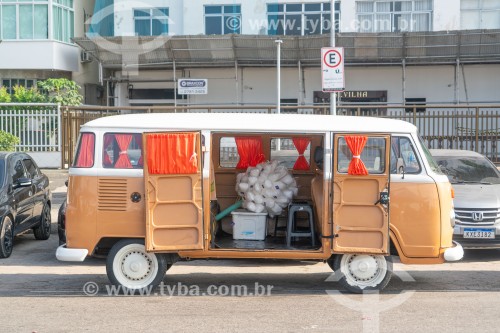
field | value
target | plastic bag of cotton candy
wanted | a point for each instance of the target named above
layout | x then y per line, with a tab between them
267	187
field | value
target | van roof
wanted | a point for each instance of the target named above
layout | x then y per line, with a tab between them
248	122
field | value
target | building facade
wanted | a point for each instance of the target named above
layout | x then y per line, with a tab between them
36	42
397	52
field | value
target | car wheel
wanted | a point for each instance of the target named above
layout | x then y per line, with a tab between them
61	224
129	265
360	272
42	232
6	238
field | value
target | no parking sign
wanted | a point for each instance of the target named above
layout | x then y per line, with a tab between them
332	69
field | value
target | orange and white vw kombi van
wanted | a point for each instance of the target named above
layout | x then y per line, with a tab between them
148	190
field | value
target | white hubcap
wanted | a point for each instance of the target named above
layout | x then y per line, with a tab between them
363	267
136	266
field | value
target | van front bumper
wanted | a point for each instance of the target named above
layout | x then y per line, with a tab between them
65	254
454	253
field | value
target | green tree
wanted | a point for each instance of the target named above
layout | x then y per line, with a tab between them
62	91
8	141
4	95
27	95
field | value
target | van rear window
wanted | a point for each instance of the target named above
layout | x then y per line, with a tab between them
84	157
122	151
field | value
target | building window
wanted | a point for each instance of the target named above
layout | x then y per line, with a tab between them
151	21
222	20
413	102
25	20
63	20
394	16
480	14
301	19
9	84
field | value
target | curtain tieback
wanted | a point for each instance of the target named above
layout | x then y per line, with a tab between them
193	157
123	152
356	156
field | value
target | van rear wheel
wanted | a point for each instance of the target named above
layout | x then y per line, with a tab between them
360	272
130	266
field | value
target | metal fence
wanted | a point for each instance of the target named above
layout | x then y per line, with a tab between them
472	127
36	125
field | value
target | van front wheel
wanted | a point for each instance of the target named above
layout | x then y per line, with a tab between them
130	266
360	272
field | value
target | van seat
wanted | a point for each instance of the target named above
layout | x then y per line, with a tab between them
317	198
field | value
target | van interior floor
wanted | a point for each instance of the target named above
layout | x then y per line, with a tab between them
226	241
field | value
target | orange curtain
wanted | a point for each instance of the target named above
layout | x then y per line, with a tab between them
123	140
301	146
250	151
85	158
356	145
172	153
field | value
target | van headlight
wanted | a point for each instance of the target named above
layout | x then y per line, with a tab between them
452	218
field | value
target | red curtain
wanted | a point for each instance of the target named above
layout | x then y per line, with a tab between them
123	140
250	151
106	161
172	153
85	158
356	145
301	146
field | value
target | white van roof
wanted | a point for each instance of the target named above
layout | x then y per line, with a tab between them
248	122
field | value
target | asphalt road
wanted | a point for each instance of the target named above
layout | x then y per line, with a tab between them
40	294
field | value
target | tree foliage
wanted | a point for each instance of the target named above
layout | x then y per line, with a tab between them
62	91
4	95
27	95
8	141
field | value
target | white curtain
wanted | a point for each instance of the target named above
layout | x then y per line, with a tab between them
364	6
421	22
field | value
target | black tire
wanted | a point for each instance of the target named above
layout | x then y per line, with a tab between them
120	269
42	231
6	237
360	272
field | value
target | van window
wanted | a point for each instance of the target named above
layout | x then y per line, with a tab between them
122	151
373	155
84	157
286	151
228	153
402	149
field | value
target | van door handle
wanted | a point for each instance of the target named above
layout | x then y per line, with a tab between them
384	198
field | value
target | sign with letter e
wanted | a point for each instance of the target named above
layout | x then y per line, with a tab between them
192	86
332	69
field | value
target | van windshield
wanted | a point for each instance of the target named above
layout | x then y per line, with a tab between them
434	167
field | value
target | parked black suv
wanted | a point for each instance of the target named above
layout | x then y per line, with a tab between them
25	200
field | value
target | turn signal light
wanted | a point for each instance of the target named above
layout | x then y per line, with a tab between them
452	193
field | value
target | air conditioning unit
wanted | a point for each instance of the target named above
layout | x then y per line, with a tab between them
85	57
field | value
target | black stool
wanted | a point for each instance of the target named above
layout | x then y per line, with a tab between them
292	230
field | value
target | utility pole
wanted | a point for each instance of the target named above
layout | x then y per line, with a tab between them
278	75
333	95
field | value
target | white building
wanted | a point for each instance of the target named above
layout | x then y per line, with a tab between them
408	51
36	41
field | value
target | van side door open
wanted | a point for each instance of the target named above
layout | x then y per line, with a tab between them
173	188
361	193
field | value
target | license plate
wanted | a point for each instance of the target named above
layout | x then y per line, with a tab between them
479	233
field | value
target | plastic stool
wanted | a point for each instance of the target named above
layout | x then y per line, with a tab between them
291	227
